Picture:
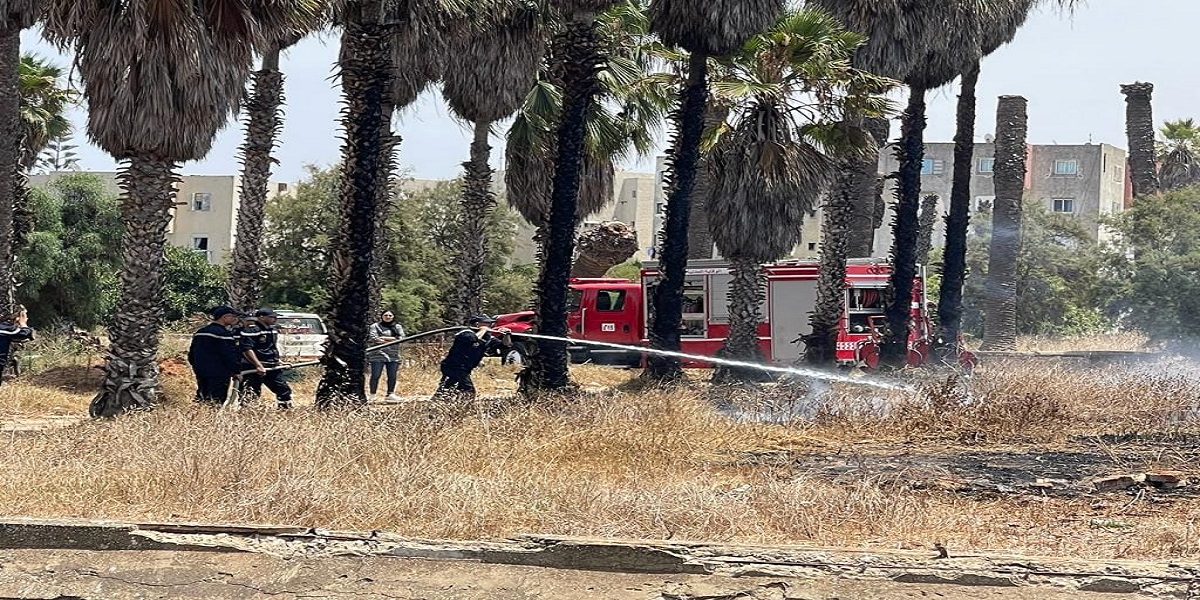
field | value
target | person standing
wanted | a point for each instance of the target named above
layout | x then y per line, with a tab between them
467	351
260	349
215	357
382	332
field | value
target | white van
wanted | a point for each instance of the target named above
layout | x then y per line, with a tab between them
301	336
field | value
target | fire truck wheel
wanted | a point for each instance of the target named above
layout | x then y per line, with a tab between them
513	356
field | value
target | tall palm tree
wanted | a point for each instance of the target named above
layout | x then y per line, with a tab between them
700	237
18	15
861	171
264	118
925	225
160	80
1139	128
486	80
715	28
1177	153
1000	319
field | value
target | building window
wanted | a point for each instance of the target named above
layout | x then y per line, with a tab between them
1063	205
201	202
932	166
633	193
987	165
281	188
1066	167
200	245
1118	173
812	246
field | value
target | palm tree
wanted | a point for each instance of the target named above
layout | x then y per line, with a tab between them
622	120
264	118
1177	152
716	28
925	225
486	80
43	105
18	15
766	172
1139	127
862	173
160	81
1000	323
700	237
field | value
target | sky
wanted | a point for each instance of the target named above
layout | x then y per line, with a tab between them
1069	66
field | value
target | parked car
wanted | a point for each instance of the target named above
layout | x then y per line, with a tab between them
301	336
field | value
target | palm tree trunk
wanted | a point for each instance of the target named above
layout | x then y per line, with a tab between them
863	189
905	229
1139	128
477	203
700	241
366	81
1000	301
747	293
264	119
549	370
381	250
820	346
131	372
681	178
958	222
925	224
10	158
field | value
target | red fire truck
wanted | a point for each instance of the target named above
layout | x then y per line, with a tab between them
617	311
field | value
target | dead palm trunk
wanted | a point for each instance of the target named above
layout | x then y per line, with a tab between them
905	229
365	94
1000	302
264	120
381	251
11	132
131	371
958	223
1139	128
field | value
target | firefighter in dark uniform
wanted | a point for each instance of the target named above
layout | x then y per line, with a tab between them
215	357
260	349
467	351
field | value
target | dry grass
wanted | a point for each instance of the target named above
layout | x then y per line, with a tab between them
649	464
1125	340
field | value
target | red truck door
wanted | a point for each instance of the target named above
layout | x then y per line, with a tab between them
610	314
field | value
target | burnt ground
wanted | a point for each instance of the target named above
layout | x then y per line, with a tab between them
1070	470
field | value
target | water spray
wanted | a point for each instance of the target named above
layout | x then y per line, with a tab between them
803	372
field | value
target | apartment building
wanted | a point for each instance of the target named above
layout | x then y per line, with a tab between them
205	214
1085	181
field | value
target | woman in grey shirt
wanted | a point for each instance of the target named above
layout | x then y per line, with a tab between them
382	332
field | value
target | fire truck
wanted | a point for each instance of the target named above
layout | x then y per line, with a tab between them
618	311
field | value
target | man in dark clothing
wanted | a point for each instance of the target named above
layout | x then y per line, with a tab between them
215	357
467	351
260	348
15	328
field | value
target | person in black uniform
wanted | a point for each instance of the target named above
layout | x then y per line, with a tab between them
215	357
467	351
14	328
260	348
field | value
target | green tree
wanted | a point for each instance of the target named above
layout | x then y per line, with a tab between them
1064	283
1159	291
191	284
1176	151
160	79
69	267
296	242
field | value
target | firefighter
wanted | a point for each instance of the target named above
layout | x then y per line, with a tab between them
467	351
260	350
215	357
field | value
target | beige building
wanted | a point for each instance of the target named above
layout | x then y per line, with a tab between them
205	214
